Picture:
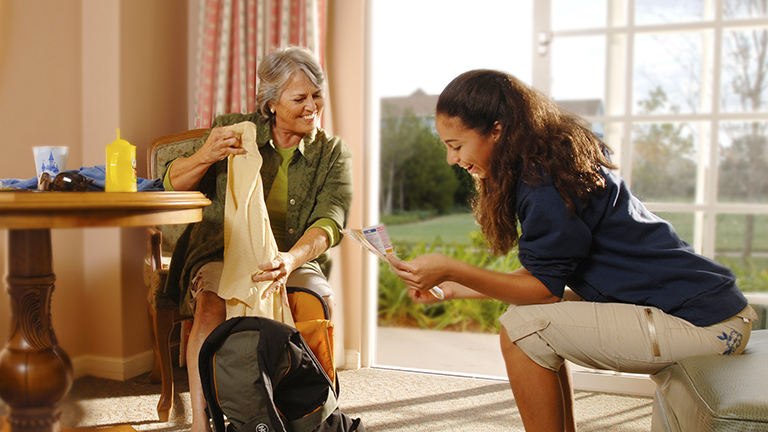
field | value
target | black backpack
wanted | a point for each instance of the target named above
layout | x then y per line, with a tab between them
263	377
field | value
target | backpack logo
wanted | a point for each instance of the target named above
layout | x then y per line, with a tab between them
261	427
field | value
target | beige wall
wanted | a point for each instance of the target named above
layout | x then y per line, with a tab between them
40	103
71	72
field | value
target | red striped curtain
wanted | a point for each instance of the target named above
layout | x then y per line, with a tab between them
235	34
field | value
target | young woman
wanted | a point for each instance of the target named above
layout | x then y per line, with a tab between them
649	299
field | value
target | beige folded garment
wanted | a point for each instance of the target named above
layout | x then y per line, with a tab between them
248	238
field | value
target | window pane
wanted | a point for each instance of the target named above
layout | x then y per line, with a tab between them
588	54
668	11
613	137
578	14
742	245
682	222
743	175
745	65
664	161
417	48
668	73
737	9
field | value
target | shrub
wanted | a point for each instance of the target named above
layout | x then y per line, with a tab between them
397	310
750	277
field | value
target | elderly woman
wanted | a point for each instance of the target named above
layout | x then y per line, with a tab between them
306	178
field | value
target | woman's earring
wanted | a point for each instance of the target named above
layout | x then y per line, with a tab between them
272	110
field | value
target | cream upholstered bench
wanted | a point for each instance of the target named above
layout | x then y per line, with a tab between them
716	393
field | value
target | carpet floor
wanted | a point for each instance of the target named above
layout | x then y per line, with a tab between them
386	400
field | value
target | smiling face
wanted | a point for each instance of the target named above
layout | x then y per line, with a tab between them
299	107
466	147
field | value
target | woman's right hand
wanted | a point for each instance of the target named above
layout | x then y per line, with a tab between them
186	173
220	144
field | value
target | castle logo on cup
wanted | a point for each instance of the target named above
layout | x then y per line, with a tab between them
50	159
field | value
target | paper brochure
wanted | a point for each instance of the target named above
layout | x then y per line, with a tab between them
376	240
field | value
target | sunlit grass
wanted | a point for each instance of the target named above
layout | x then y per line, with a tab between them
454	228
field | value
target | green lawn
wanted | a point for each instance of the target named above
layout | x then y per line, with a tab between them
454	228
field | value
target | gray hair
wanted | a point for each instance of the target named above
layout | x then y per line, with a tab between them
277	69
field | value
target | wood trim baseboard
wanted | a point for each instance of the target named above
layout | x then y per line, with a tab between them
119	369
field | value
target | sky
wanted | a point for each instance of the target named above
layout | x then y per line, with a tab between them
424	44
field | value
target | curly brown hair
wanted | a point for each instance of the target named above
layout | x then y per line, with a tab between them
538	141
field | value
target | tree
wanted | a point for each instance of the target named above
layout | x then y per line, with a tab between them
414	173
429	181
743	165
398	133
664	162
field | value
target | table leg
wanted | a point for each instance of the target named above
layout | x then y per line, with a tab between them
35	373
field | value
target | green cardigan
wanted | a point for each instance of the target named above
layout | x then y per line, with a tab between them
319	186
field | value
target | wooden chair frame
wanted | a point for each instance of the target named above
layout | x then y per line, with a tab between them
163	321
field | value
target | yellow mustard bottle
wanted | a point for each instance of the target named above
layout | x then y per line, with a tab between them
121	166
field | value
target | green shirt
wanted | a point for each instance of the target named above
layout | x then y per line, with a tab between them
318	193
277	204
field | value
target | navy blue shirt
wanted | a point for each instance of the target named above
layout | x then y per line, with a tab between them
615	250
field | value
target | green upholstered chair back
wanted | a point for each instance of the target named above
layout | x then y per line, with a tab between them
161	151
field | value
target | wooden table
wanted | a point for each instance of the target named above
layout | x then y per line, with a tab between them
35	373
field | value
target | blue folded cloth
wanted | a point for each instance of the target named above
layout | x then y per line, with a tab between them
96	173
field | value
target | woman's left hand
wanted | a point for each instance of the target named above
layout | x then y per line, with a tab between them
278	271
424	272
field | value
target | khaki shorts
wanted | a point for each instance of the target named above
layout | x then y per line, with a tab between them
209	275
618	337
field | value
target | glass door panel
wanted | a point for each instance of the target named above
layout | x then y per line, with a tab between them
740	9
418	48
648	12
743	162
578	14
578	69
664	161
669	69
744	82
